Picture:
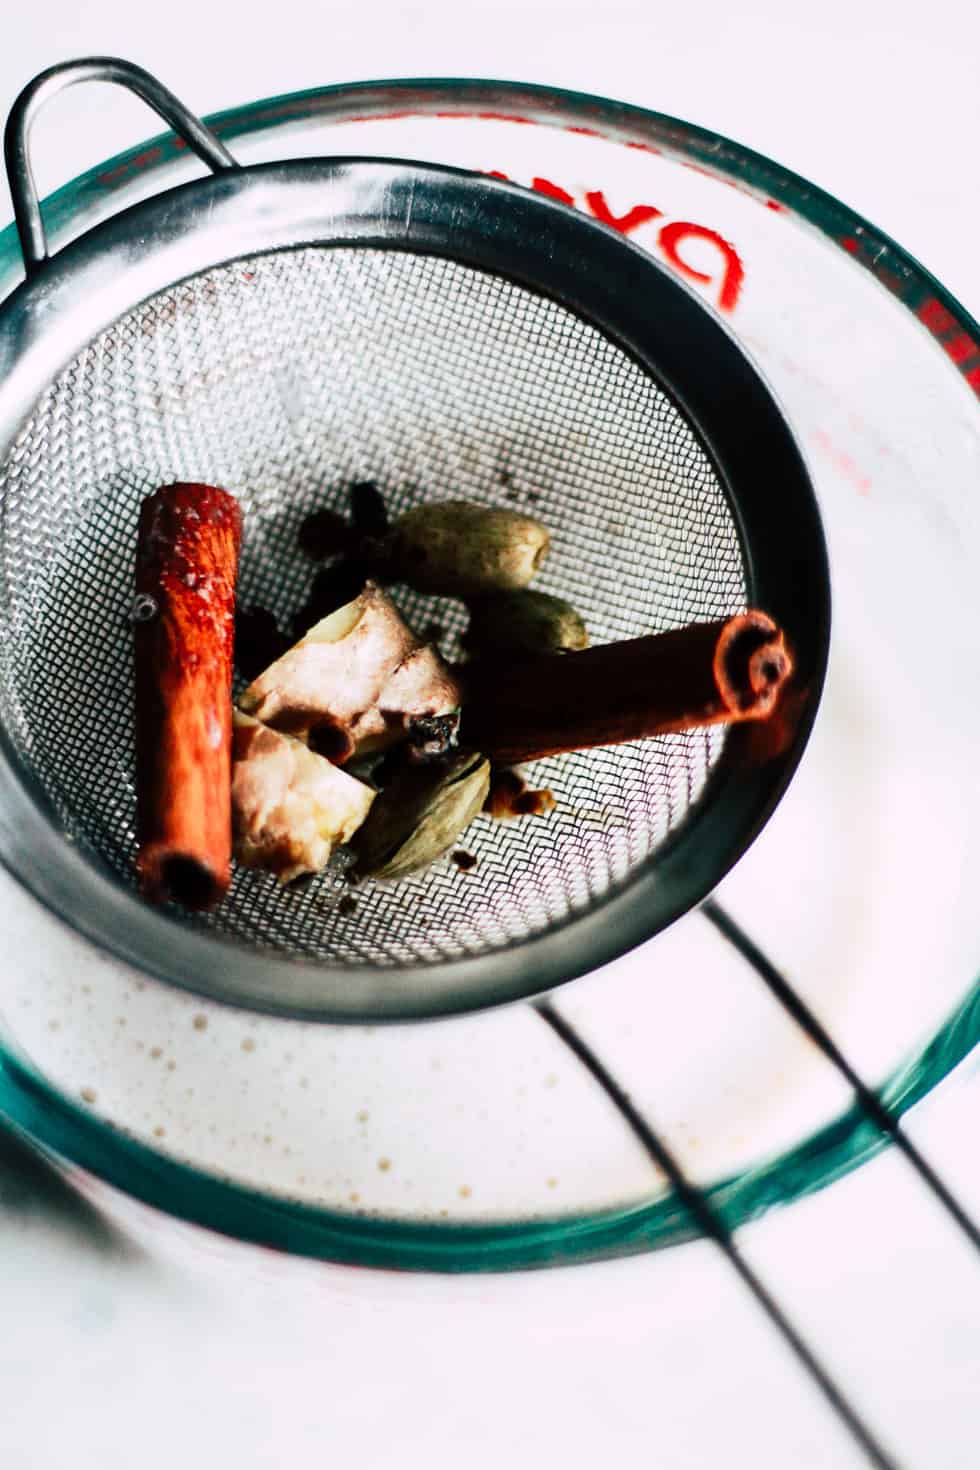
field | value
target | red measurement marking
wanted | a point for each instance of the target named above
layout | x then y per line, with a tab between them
733	271
958	345
498	117
774	204
973	378
960	348
893	281
140	160
847	466
890	279
300	105
935	316
639	215
715	176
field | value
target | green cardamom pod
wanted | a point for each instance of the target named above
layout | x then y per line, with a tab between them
455	548
524	622
419	816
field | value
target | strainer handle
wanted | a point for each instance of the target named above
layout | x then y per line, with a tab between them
16	141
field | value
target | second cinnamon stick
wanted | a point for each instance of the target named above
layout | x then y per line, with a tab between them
726	671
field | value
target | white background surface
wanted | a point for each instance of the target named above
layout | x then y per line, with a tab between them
152	1343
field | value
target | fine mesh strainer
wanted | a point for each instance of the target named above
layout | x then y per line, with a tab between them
285	330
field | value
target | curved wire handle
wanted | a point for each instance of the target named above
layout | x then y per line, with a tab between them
16	141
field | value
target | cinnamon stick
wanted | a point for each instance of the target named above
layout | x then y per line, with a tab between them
706	674
186	569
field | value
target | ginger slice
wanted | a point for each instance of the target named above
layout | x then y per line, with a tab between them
291	809
356	682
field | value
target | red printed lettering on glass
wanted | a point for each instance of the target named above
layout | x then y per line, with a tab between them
728	278
640	214
553	191
732	271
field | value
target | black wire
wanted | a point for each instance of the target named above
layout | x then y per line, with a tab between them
714	1227
872	1105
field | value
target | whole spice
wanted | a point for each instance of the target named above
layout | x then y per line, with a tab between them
368	512
323	533
432	736
459	549
705	674
357	682
333	587
524	621
510	796
291	808
186	569
358	543
419	816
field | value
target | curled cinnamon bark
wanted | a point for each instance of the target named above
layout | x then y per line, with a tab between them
186	569
705	674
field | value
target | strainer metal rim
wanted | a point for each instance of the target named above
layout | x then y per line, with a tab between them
544	246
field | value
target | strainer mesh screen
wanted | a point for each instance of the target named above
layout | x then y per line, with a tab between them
286	378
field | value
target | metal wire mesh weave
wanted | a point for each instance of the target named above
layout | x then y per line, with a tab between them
285	378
